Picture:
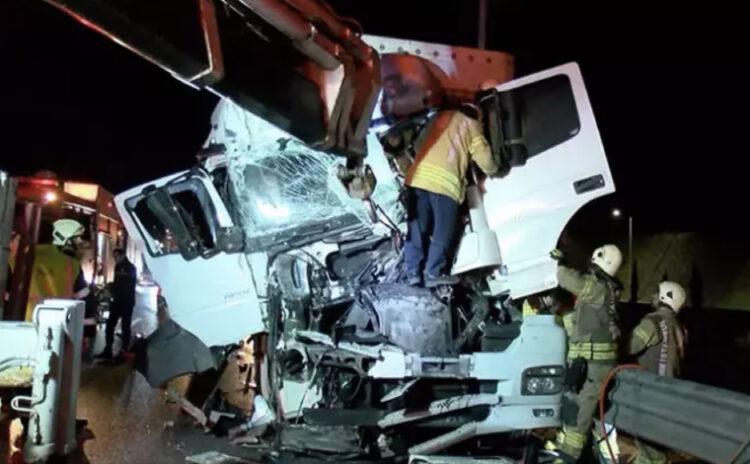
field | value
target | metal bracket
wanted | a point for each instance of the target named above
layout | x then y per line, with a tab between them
358	181
15	404
215	70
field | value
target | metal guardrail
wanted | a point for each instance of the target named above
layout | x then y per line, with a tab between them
709	423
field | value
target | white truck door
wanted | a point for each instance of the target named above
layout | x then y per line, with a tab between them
565	167
193	250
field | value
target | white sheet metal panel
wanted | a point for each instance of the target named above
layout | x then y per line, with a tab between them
529	207
214	298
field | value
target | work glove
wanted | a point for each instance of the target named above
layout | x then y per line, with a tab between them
556	254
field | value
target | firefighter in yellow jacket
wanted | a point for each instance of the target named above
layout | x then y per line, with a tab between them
593	332
57	270
435	190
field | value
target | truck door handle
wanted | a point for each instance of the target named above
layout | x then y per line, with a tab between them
588	184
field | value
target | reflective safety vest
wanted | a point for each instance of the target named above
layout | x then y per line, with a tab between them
452	141
660	332
588	326
53	276
582	349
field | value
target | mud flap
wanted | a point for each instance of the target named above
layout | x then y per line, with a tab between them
169	352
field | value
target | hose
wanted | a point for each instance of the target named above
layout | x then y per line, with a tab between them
602	397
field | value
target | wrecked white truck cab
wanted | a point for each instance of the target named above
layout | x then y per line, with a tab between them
262	237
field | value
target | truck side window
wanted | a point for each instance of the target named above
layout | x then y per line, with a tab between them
194	214
529	120
550	116
194	209
161	240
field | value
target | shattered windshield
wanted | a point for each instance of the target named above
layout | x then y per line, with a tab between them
281	184
288	189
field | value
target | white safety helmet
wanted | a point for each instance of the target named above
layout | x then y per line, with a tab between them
608	258
672	294
65	230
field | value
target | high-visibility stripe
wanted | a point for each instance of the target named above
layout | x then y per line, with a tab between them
590	352
435	172
593	351
573	443
586	288
477	143
574	439
436	177
643	335
596	347
568	323
593	357
443	178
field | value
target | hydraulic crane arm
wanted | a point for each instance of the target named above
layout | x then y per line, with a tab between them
294	63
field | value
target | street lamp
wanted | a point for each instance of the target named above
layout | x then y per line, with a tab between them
617	214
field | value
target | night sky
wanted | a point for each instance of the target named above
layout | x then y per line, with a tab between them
667	87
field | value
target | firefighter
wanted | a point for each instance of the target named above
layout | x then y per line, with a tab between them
564	317
57	269
593	331
435	190
658	342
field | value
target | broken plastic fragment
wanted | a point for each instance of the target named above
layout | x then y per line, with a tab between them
214	457
262	416
315	337
245	441
398	391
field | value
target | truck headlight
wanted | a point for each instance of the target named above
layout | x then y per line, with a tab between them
547	380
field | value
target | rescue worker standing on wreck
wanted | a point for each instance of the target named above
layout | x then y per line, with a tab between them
658	342
593	331
435	189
